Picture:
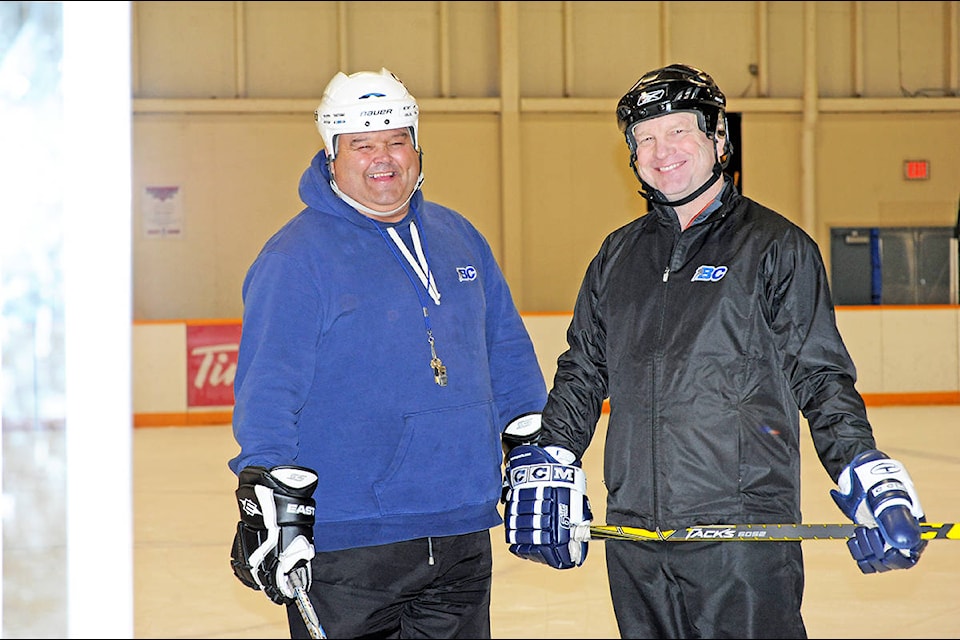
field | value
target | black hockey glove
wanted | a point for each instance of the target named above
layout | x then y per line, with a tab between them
275	533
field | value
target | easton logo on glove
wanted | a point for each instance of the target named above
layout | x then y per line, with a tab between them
301	509
250	507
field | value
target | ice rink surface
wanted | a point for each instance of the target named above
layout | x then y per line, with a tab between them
185	516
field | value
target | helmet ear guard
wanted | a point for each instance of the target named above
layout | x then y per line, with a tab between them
365	101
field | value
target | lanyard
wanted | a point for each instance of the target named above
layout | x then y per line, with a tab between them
420	264
423	272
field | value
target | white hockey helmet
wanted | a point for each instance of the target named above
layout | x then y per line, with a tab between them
365	101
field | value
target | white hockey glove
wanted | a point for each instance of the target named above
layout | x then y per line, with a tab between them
275	533
878	493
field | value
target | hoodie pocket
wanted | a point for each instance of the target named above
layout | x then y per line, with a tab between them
445	460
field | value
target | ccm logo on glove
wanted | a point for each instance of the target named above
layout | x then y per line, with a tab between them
542	472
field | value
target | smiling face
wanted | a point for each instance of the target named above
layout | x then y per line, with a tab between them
673	155
378	169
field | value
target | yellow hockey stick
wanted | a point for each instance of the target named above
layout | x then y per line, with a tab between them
760	532
307	612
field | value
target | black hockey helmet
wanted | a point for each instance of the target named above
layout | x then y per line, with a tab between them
676	87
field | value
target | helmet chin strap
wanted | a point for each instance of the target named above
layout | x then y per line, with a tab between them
656	197
356	205
373	212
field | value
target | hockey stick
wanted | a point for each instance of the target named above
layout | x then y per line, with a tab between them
768	532
307	612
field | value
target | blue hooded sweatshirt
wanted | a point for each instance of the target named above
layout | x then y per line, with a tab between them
334	370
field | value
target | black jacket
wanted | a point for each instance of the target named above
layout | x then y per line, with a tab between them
708	343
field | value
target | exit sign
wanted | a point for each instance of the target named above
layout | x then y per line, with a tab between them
916	169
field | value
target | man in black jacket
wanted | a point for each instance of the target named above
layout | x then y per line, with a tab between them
709	326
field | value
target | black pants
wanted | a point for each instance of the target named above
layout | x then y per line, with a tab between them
706	589
425	588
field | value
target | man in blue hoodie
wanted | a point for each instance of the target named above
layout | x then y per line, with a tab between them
382	366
